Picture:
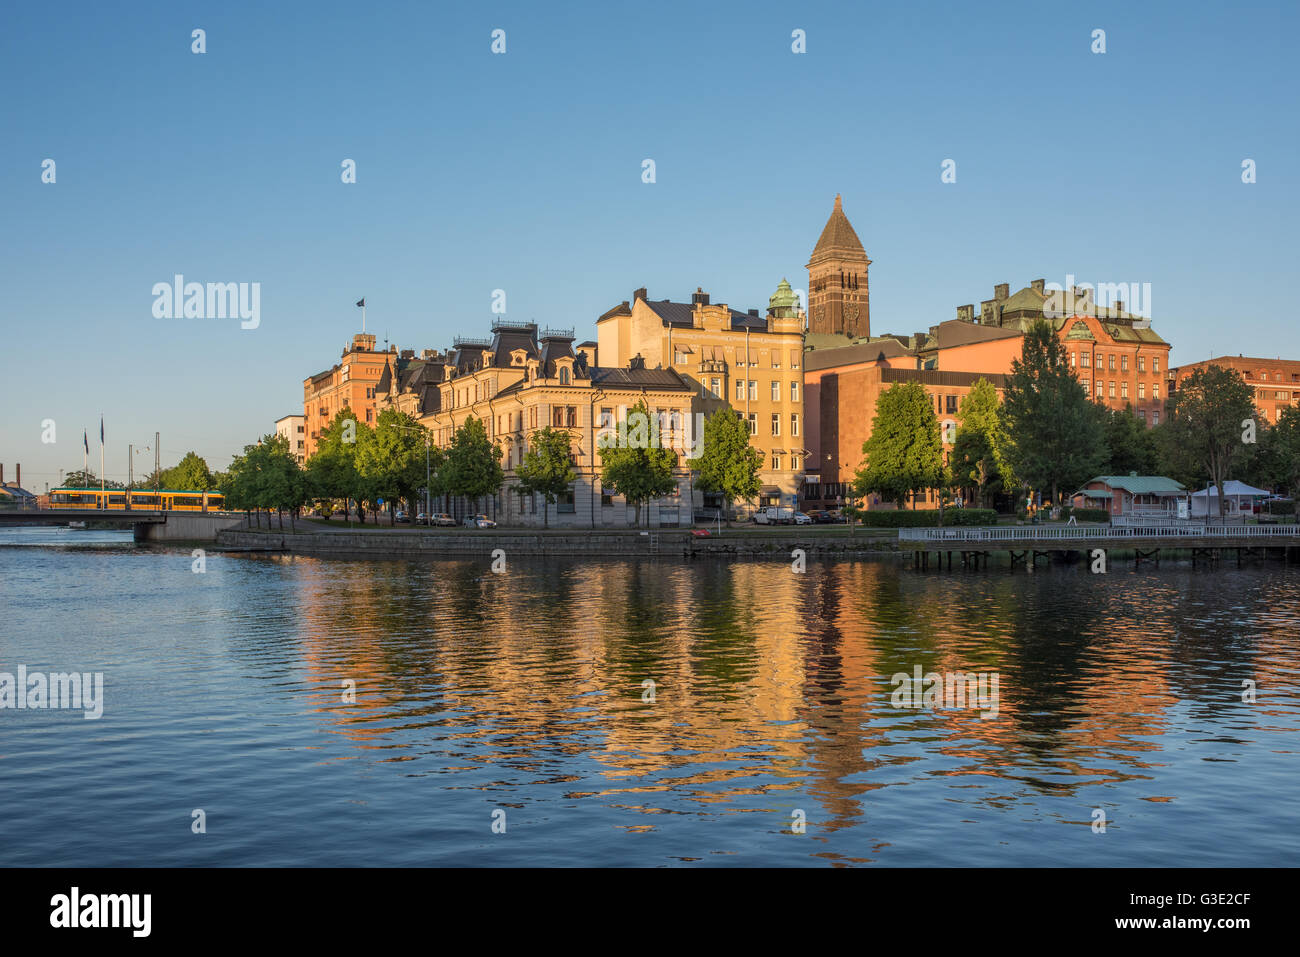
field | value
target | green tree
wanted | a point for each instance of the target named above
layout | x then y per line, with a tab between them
1057	433
904	453
472	465
1129	443
1283	466
979	454
547	468
634	464
190	473
86	479
727	464
332	470
1212	417
391	459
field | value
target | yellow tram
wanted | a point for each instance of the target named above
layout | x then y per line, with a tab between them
167	500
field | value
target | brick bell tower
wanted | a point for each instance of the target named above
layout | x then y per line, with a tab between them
837	280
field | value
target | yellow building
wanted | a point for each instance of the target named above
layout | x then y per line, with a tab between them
752	363
520	380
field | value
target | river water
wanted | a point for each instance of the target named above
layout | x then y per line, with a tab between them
505	718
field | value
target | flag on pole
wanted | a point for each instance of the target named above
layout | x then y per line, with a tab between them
362	302
101	430
85	440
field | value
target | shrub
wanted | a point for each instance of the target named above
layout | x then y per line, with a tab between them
1088	515
929	518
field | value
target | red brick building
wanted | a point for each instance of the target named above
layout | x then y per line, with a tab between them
1276	382
841	387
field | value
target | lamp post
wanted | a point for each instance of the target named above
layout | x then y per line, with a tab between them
428	476
131	453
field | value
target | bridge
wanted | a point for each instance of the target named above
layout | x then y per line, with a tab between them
150	525
1031	542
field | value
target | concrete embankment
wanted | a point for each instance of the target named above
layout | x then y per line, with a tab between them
596	544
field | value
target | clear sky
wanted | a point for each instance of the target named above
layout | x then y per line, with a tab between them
522	171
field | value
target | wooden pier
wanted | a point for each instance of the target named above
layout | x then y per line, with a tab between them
1028	543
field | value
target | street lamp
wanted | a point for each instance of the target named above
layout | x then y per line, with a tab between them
428	480
131	453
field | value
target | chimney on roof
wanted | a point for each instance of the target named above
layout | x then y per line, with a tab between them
753	312
1038	286
640	294
408	354
966	313
637	362
1118	307
700	297
18	477
1001	291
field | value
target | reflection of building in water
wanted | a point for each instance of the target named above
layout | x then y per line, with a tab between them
760	674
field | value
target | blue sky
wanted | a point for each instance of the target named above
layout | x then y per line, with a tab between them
522	172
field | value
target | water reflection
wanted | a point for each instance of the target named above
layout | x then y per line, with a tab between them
771	695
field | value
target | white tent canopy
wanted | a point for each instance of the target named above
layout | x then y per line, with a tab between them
1240	497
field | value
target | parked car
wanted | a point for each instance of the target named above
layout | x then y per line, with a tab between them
479	521
443	519
421	519
801	518
402	516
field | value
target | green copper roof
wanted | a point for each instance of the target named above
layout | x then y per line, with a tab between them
783	302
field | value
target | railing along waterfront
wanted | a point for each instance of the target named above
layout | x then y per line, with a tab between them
1092	533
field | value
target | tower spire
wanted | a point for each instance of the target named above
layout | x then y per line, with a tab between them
838	300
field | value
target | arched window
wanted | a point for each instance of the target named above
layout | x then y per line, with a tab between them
564	375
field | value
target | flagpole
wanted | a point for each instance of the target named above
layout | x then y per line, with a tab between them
85	460
101	455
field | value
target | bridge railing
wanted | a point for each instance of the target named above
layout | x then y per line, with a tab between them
1093	533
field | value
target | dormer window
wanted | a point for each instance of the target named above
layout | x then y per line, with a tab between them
564	375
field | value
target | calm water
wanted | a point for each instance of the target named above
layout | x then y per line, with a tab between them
523	692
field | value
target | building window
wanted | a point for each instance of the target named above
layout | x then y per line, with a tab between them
1155	390
715	386
1155	363
1142	390
1155	417
740	389
776	391
564	502
794	423
776	463
1123	389
1074	356
753	390
1123	363
1142	414
370	415
606	498
679	357
1142	363
752	419
776	423
776	359
950	404
794	391
1112	362
794	358
1087	385
1112	386
564	375
1085	360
